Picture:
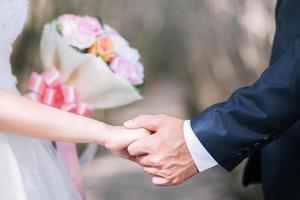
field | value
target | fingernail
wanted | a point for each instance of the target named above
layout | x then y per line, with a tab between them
128	123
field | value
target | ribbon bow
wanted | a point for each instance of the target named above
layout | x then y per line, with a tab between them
48	88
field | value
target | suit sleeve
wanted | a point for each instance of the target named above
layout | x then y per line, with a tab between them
253	116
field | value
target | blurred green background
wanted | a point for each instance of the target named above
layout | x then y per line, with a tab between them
196	53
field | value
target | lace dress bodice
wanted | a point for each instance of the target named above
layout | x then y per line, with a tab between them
13	14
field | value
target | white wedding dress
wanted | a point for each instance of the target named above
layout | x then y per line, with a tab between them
29	168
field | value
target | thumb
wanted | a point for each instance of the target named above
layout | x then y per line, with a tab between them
149	122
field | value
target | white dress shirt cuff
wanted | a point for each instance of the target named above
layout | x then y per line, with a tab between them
202	159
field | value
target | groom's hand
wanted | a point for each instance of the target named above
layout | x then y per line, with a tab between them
164	154
119	139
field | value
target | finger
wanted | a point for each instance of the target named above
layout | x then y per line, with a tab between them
149	122
144	160
138	148
124	154
131	136
153	171
160	181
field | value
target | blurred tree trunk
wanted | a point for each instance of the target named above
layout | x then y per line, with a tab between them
234	41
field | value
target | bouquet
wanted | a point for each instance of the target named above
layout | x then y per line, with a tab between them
94	58
88	65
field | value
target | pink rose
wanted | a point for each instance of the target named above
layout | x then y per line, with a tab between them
123	49
90	25
127	63
110	30
127	70
80	32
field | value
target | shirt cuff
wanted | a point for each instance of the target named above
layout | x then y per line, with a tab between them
202	159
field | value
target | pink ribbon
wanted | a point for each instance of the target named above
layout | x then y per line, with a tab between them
48	88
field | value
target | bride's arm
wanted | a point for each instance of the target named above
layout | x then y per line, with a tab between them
24	117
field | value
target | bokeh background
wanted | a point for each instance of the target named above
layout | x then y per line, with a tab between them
196	53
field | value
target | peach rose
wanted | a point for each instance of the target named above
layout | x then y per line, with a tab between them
103	47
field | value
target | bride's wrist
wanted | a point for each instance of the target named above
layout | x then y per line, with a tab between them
100	133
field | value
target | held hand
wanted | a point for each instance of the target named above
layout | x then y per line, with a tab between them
164	154
118	139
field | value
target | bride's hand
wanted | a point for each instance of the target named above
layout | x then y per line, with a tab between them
119	138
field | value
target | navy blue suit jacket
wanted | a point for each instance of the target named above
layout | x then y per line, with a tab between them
262	121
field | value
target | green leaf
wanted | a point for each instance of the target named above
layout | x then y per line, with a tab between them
58	27
100	21
140	86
